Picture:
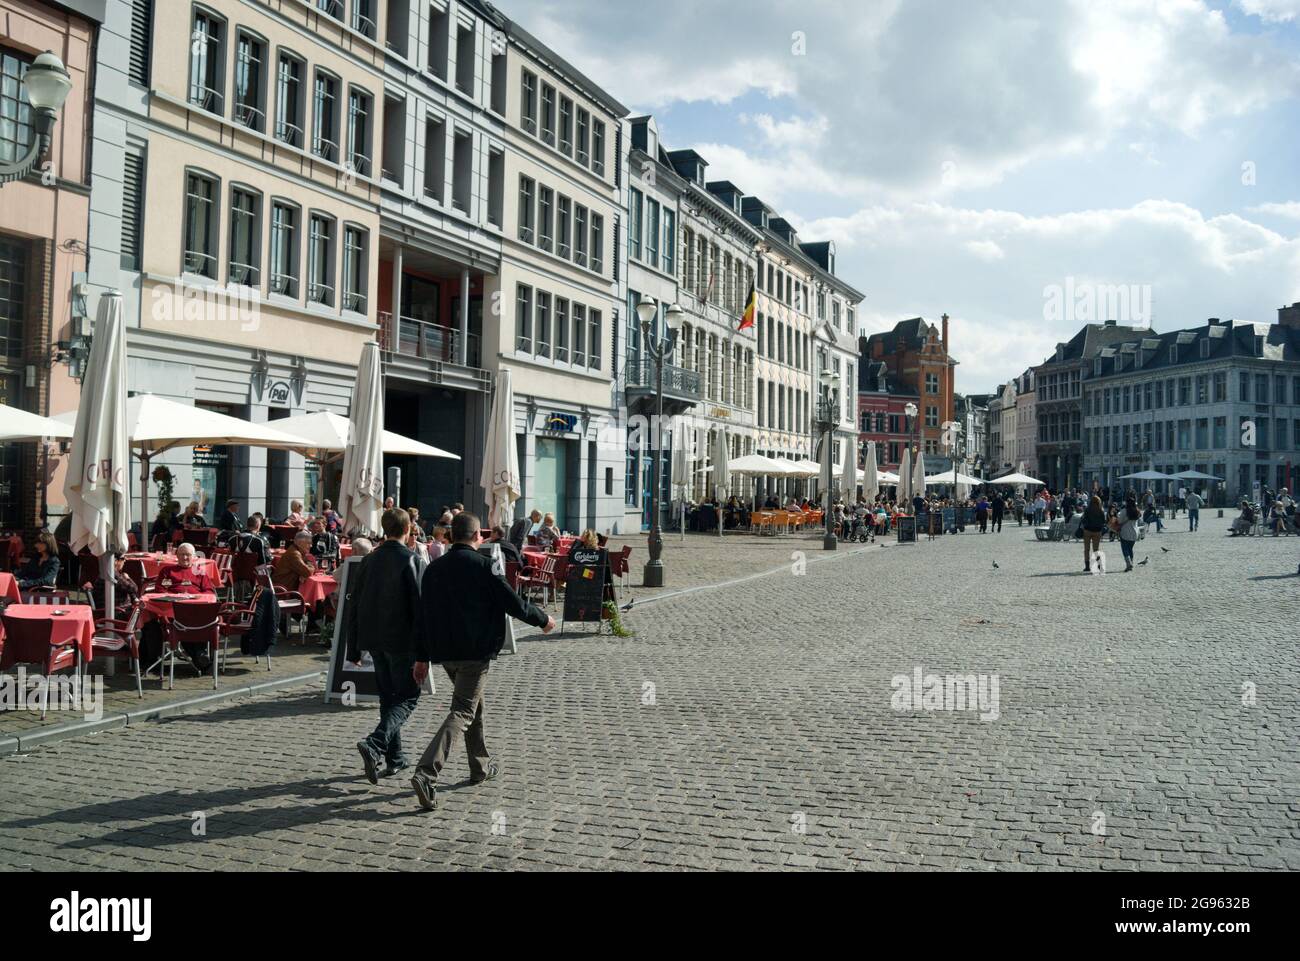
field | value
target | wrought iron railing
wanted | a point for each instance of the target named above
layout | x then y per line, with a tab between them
418	338
677	380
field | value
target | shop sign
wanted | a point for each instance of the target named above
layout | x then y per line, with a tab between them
556	423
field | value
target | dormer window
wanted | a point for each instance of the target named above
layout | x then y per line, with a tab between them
1259	345
1173	353
1205	348
1096	367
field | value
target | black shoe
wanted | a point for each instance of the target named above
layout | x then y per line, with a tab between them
493	769
426	790
392	769
371	760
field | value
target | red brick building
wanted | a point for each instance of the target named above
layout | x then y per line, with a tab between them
882	415
916	362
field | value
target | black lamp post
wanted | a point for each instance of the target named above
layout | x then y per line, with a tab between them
658	348
827	418
47	85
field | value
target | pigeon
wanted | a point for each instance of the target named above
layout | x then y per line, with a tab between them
1165	549
995	566
628	605
1142	562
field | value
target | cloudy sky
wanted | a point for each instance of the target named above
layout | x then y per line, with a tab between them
968	156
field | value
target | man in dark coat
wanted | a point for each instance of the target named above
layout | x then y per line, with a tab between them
382	616
463	615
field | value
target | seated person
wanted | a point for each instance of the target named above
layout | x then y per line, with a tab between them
333	523
508	549
192	519
588	540
548	533
324	545
253	541
296	517
184	577
1244	522
292	567
42	570
1277	518
125	590
772	503
361	546
229	520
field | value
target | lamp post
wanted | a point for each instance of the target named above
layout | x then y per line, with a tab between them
827	418
47	85
658	348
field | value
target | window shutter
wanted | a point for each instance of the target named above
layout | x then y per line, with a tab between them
141	30
132	209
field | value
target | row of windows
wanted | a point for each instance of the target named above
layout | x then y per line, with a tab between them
780	342
363	14
1184	391
554	223
1201	434
244	260
794	293
651	233
1058	428
713	275
727	376
568	128
557	329
1060	386
248	92
782	407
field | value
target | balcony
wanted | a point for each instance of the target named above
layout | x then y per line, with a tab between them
682	388
425	341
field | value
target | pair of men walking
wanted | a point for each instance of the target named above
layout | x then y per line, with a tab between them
452	613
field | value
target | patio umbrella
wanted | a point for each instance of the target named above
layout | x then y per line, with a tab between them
887	477
947	478
755	465
361	494
328	433
98	482
681	474
500	478
721	476
904	481
918	475
1151	475
16	425
1014	480
849	476
1193	475
870	479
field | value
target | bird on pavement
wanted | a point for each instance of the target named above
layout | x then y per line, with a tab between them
1142	562
995	566
628	605
1165	549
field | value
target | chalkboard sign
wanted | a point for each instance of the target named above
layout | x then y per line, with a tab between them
905	528
937	523
585	584
950	519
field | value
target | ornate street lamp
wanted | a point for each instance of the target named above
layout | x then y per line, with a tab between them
47	86
658	349
827	418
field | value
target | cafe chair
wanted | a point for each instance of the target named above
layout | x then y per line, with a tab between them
195	622
56	596
117	638
236	621
538	581
290	604
243	571
619	564
29	641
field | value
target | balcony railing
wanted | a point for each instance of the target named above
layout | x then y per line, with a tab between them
677	380
418	338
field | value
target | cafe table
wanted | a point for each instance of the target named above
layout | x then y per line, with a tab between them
317	587
153	563
159	604
9	587
71	622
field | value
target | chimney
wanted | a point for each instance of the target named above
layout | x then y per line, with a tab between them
945	333
1289	316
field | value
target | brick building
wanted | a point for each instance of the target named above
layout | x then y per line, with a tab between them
916	359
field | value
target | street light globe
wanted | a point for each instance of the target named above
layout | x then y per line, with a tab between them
47	83
910	409
825	378
646	309
673	317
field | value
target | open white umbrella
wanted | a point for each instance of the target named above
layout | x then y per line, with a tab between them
721	476
361	495
947	477
871	479
1193	475
1151	475
756	465
17	425
328	433
1014	480
500	478
98	481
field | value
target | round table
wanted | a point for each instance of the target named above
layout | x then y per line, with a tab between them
159	605
9	587
77	622
316	588
153	563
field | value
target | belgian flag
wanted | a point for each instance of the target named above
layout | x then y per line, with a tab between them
751	306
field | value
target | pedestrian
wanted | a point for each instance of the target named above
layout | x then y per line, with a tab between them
382	613
1192	501
463	610
1149	513
982	514
1129	533
1094	522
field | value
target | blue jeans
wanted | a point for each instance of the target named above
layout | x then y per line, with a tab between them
1127	548
1193	518
398	694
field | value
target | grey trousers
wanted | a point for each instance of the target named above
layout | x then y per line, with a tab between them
468	680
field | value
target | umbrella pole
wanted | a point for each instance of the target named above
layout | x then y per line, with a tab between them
145	540
110	589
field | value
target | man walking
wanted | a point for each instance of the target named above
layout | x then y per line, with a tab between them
1193	502
463	610
382	617
999	508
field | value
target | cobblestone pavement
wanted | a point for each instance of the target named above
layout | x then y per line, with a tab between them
1143	720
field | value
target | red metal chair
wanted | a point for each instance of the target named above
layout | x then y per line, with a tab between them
290	604
56	596
29	641
117	638
237	620
243	570
619	565
539	580
195	622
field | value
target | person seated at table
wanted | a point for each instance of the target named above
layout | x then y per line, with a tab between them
361	546
324	545
389	503
184	576
587	540
333	523
229	519
1244	522
254	541
296	517
42	569
521	528
509	550
192	519
548	533
293	566
126	591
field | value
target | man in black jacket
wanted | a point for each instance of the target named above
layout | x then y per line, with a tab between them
463	618
382	616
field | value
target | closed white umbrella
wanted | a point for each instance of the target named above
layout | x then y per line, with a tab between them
98	485
905	477
681	474
18	425
361	495
918	475
849	476
500	478
721	476
870	479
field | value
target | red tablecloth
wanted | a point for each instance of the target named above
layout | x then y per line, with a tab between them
153	563
9	587
160	605
77	622
316	588
536	557
345	551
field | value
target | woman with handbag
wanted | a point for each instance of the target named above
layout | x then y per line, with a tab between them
1129	532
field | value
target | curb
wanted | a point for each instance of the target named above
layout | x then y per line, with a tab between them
23	743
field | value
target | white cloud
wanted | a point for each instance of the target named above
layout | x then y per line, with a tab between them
986	250
1273	11
1290	209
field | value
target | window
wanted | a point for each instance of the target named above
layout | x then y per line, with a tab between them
498	104
931	382
527	190
439	38
1203	387
284	249
250	97
331	8
932	417
355	269
141	32
496	186
651	234
593	339
363	18
564	216
359	107
1261	388
320	261
545	218
598	147
1220	433
1202	433
288	100
580	235
200	225
598	243
207	61
566	126
561	330
580	335
528	103
634	216
670	241
542	324
1243	386
1220	387
524	319
548	115
325	117
1184	391
245	266
584	125
435	158
132	208
465	59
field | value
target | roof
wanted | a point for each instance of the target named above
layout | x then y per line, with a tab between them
1091	338
1226	340
909	334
